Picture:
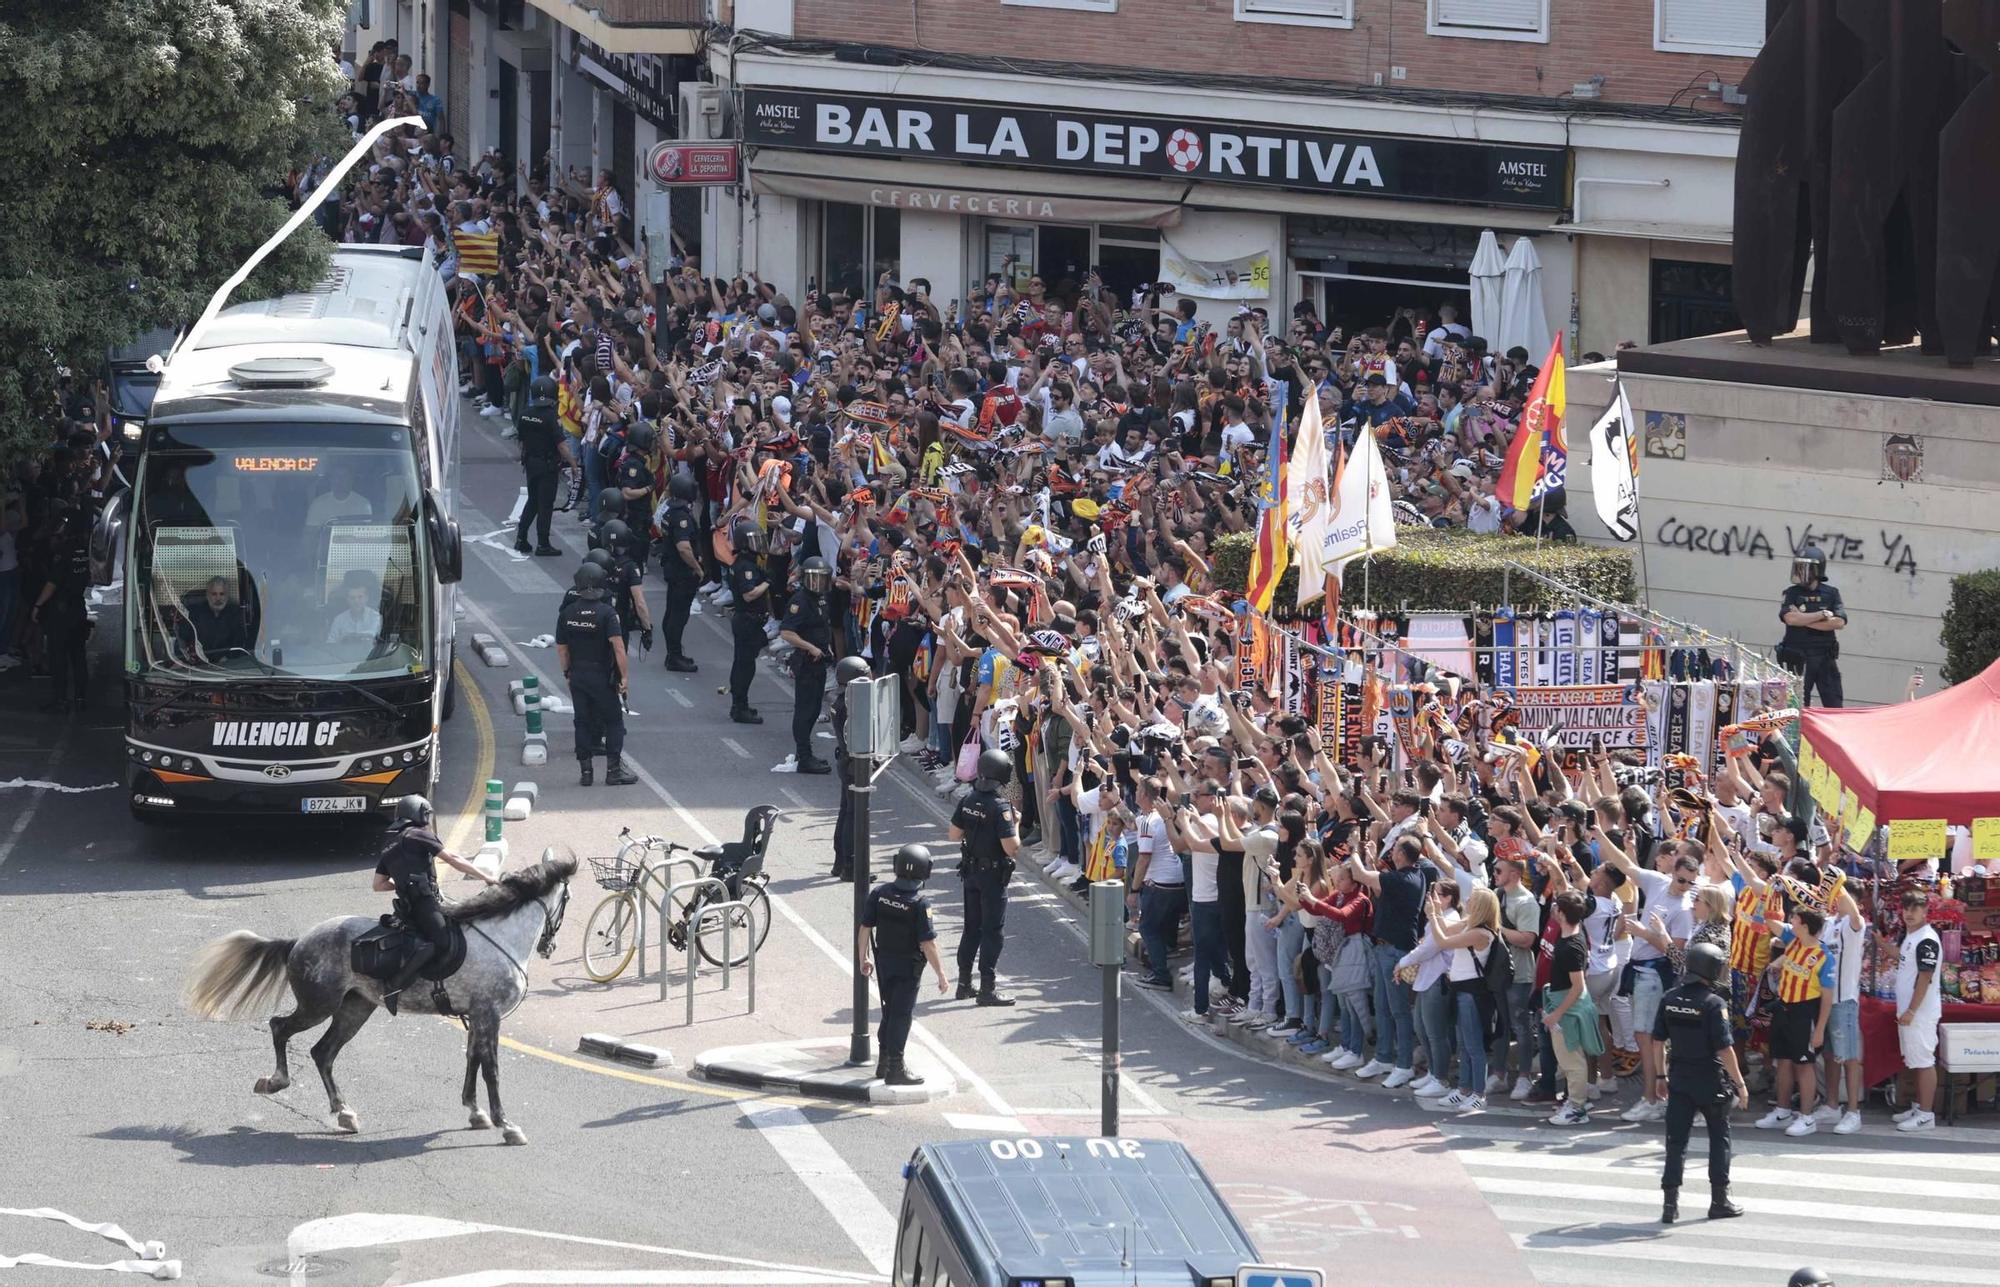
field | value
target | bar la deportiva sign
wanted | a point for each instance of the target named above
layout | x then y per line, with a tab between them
1232	152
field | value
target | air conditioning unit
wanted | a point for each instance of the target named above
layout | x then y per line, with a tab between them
704	111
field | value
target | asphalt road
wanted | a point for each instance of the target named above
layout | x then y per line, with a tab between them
116	1106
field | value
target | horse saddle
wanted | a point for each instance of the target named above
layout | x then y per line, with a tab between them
381	952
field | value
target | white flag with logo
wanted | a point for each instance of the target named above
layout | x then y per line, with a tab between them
1306	501
1362	519
1614	468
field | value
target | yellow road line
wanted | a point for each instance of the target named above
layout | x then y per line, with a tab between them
482	724
696	1088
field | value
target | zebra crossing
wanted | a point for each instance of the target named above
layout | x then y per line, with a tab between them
1583	1207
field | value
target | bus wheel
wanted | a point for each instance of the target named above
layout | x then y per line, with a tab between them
451	684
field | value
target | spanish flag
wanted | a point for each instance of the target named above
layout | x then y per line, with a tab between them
1272	554
1538	458
478	252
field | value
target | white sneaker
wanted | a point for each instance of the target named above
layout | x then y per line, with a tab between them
1068	871
723	598
1772	1120
1049	867
1641	1112
1348	1062
1906	1114
1850	1122
1495	1083
1473	1104
1802	1125
947	784
1451	1103
708	587
1826	1114
1918	1122
1189	1016
1601	1087
1427	1087
771	628
1399	1077
912	744
1373	1068
1522	1088
1569	1115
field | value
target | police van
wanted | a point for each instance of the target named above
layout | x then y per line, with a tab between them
1064	1212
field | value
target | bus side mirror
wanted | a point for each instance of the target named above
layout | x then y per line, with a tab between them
447	551
106	537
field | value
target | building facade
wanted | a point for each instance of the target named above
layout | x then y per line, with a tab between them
1346	152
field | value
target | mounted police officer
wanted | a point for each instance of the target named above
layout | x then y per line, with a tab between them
1702	1076
681	562
590	647
407	868
635	485
808	628
1813	614
852	772
904	941
984	824
628	585
540	432
750	592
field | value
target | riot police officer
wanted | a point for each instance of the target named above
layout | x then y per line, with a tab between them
750	592
904	941
61	612
539	432
635	485
590	647
808	628
628	585
610	505
406	868
984	824
1812	612
681	562
852	773
1702	1076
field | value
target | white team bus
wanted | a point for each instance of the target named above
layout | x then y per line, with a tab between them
290	551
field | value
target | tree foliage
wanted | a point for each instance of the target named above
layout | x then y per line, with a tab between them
146	153
1971	625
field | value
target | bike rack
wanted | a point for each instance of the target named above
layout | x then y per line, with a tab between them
728	943
697	883
666	870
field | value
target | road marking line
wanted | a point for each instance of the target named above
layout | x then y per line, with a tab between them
1543	1217
475	792
636	1278
827	1176
34	805
696	1088
1750	1145
795	797
1541	1190
1147	1103
680	697
735	746
1681	1254
984	1124
1644	1167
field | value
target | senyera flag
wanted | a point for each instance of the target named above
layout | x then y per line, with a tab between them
1271	555
1538	458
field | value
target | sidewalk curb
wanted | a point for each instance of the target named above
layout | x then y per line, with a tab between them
619	1050
785	1067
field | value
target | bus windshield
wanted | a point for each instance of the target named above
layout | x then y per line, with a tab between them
289	550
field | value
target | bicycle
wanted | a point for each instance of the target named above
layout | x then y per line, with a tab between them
611	936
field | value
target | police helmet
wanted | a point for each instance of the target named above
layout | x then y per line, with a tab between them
544	389
1810	1277
1808	566
681	487
996	768
615	534
590	581
641	437
412	811
815	575
610	499
848	670
601	557
1706	962
747	537
913	863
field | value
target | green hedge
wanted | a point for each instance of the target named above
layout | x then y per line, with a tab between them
1450	570
1971	634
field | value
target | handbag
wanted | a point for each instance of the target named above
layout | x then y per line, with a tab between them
968	758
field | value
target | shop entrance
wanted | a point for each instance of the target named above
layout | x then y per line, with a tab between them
1355	301
1057	254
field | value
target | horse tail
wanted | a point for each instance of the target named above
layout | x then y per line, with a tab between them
236	976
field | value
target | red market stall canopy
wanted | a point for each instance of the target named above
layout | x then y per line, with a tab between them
1929	761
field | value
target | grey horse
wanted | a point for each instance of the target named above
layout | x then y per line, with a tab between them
242	975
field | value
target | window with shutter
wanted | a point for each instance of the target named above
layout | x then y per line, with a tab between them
1489	19
1708	27
1317	13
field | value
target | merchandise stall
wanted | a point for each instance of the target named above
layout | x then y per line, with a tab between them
1918	789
